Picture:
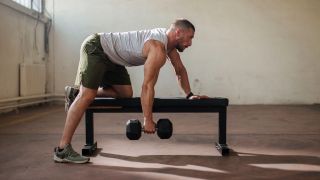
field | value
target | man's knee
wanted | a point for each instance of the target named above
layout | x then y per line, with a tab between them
126	94
129	94
123	91
86	94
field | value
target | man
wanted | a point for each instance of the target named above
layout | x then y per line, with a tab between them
102	72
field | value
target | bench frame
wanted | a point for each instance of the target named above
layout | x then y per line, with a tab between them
100	106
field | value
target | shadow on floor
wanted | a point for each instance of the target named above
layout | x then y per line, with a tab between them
237	165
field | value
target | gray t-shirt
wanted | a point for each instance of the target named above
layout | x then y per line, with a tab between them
125	48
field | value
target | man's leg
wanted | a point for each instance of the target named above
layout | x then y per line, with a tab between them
81	103
116	83
116	91
75	113
64	152
92	66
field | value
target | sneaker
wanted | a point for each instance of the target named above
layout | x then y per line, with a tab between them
70	94
68	155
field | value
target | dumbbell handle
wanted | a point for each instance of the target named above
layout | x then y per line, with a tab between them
142	129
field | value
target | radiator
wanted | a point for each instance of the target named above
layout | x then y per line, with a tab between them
32	79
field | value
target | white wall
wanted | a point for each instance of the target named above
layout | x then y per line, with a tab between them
251	51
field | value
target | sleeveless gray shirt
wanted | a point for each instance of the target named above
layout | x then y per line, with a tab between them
125	48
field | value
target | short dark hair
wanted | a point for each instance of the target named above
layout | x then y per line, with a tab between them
184	23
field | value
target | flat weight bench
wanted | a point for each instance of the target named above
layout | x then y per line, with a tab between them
181	105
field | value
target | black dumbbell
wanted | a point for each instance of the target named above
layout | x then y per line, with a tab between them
164	128
134	129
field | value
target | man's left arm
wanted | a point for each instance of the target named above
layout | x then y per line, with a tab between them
182	75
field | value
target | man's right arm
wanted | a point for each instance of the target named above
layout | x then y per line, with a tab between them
156	58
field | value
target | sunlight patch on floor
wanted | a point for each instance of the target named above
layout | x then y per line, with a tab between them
105	161
290	167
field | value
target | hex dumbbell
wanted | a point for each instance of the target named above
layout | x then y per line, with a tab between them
134	129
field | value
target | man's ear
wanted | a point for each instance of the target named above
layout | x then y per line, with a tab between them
178	33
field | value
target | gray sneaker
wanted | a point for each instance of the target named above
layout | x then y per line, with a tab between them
68	155
70	94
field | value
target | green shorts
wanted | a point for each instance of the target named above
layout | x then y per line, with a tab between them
95	68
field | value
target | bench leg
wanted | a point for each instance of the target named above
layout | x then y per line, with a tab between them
90	146
222	146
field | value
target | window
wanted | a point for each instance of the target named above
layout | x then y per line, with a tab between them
31	4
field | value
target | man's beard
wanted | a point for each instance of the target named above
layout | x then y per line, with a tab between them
180	48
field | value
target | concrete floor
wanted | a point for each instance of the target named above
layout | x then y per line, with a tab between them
268	142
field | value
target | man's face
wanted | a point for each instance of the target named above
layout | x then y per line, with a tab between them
184	38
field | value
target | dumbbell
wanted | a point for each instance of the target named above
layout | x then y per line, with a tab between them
134	129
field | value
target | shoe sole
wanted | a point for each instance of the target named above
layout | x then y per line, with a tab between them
68	101
67	90
59	160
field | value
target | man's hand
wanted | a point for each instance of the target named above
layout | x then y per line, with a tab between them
149	126
198	97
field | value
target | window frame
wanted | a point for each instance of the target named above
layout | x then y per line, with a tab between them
30	5
25	10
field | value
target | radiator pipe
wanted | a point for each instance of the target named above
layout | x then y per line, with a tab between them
50	98
28	103
29	97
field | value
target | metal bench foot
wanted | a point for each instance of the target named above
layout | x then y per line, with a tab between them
89	150
223	149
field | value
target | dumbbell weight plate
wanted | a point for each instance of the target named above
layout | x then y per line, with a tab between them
164	128
133	129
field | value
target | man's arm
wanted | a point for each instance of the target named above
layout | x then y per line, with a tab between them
182	74
156	58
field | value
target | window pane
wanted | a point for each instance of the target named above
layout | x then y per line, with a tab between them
36	5
26	3
31	4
